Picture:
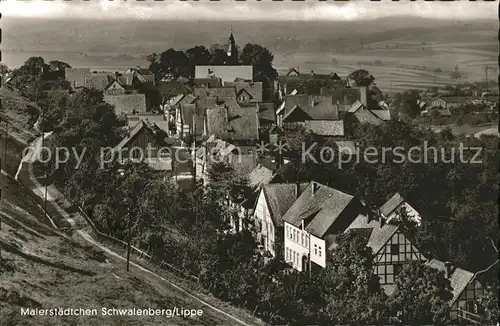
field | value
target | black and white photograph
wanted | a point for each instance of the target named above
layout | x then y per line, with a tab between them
249	163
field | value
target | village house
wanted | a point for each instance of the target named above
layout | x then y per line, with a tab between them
235	124
158	120
206	82
466	306
127	103
138	74
98	81
450	102
389	245
272	203
361	113
247	92
142	145
393	208
313	222
267	115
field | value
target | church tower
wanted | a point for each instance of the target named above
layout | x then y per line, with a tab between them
232	52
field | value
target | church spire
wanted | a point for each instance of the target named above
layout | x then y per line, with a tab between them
232	53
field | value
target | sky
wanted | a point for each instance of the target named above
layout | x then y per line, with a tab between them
250	10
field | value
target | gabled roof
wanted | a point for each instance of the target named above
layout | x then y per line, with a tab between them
292	72
231	123
378	235
392	204
127	103
98	82
325	127
172	88
459	279
226	73
140	127
316	107
253	89
266	112
324	206
367	116
384	115
355	107
280	197
207	82
261	175
215	92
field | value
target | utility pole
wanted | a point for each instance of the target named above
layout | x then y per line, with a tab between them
129	240
486	76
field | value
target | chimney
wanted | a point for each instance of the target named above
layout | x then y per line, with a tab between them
362	96
312	73
449	269
314	187
381	218
297	189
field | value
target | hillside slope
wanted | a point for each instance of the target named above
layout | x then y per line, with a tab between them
43	268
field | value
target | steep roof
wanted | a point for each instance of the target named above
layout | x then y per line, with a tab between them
226	73
459	279
366	116
254	89
215	92
266	112
98	82
378	235
316	107
190	112
384	115
231	123
280	197
392	204
140	127
172	88
324	206
261	175
126	103
325	127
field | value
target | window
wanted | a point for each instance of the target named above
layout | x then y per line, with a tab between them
319	251
315	249
394	249
307	241
397	269
298	258
302	238
293	256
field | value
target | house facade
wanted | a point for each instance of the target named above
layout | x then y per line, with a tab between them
450	102
312	222
272	203
389	245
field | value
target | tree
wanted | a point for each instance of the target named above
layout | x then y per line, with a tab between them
262	61
422	295
406	103
153	97
56	65
349	289
170	61
362	77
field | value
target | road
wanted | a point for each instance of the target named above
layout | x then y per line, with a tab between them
29	158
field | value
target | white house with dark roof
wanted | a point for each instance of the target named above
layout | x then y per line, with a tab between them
312	222
139	74
272	203
225	73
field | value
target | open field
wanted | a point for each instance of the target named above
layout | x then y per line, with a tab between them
409	49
